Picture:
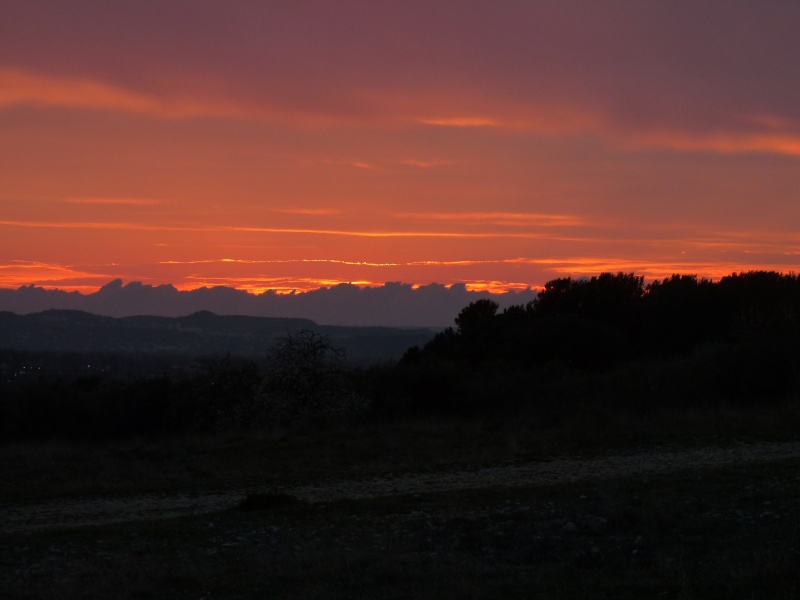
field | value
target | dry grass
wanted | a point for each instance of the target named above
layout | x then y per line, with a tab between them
279	457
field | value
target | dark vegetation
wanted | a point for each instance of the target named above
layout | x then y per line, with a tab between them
591	369
610	344
145	340
585	348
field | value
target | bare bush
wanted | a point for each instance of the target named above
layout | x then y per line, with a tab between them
305	378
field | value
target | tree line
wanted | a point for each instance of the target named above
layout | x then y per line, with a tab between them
597	322
616	343
604	344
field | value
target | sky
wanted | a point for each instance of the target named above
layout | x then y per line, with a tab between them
296	145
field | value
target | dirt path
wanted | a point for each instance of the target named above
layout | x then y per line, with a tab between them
66	513
556	471
75	512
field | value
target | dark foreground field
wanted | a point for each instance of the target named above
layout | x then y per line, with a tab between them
417	510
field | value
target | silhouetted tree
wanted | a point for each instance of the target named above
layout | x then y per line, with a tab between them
608	298
679	313
476	317
305	377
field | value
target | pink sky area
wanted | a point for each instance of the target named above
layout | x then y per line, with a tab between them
294	145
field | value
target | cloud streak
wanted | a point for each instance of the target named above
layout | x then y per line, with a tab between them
499	218
18	273
777	135
115	201
27	88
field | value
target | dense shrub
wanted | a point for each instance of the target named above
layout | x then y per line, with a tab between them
305	378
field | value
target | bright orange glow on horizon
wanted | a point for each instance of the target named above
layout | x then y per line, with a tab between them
85	281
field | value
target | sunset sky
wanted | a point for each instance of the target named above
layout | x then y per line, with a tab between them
293	145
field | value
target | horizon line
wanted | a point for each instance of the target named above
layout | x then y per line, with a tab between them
497	288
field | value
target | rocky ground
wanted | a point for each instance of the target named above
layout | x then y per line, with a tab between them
718	522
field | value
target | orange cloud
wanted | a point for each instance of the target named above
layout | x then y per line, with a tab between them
745	241
384	234
281	262
19	87
16	273
654	269
310	211
278	285
104	225
115	201
558	265
278	230
426	164
777	134
496	287
731	143
499	218
538	117
462	122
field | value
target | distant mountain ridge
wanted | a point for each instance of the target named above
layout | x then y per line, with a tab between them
393	304
199	334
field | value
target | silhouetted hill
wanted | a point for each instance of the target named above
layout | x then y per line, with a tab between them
198	334
392	305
